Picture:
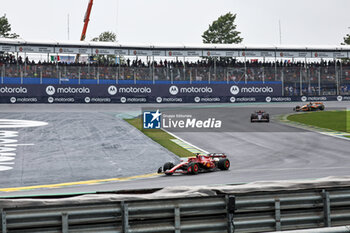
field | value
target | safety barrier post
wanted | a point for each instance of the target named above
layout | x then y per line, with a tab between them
3	221
230	208
278	214
177	220
65	228
125	217
326	208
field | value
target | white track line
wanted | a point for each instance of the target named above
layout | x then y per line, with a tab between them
175	136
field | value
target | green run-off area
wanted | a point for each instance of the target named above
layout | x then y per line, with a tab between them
161	137
333	120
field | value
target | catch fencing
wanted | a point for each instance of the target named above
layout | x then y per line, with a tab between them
240	212
296	81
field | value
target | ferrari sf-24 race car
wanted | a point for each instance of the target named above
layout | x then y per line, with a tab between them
260	116
200	163
312	106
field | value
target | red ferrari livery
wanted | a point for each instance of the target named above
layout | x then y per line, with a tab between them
200	163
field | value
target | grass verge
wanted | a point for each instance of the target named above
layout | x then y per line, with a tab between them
334	120
161	137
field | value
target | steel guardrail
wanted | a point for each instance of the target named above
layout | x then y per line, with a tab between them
242	212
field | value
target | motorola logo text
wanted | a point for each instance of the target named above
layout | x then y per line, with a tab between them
265	89
190	90
13	90
147	90
73	90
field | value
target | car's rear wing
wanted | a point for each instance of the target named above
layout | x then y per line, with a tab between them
217	155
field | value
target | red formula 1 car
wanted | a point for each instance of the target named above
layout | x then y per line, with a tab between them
312	106
200	163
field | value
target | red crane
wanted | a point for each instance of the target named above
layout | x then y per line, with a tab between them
86	20
86	23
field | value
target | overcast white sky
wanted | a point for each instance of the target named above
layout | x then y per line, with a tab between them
304	22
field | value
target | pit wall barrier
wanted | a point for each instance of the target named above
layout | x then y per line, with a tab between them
157	93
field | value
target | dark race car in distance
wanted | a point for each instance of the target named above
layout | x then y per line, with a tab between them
200	163
312	106
260	116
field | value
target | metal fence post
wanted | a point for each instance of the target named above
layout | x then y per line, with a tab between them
301	82
3	221
282	80
190	75
65	223
278	214
319	81
134	76
79	74
98	75
125	217
177	220
326	208
231	208
153	78
336	76
172	75
2	73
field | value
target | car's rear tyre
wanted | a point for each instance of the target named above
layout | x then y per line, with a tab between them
168	166
193	168
224	164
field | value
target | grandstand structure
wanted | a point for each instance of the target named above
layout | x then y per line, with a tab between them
301	70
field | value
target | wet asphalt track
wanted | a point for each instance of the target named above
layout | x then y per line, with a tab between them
84	142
